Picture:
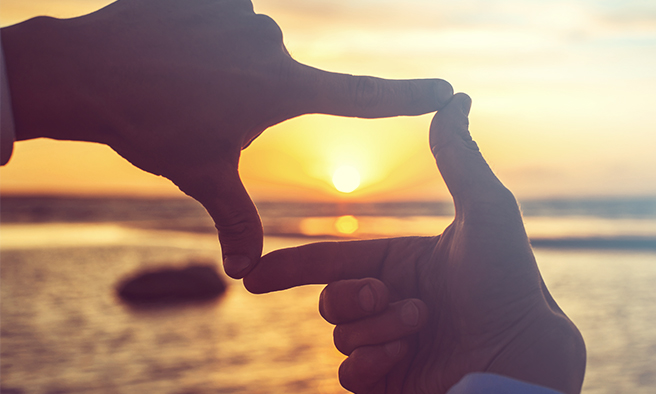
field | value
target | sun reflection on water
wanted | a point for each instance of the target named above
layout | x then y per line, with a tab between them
346	224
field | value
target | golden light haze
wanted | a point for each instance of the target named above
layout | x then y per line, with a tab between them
563	94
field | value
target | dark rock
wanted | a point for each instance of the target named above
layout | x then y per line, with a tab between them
193	283
7	390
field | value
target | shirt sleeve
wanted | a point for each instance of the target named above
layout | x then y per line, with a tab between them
7	132
488	383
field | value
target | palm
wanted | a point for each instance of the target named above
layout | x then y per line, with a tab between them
469	324
475	316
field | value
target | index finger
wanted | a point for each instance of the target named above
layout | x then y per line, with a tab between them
331	93
319	263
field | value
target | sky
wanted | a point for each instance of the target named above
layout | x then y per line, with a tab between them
563	94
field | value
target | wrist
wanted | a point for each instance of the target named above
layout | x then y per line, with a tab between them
552	355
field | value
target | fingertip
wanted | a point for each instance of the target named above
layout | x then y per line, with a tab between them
393	349
263	277
366	298
410	314
369	97
451	124
254	282
241	247
465	102
457	103
352	299
414	313
379	293
253	286
443	93
366	366
236	266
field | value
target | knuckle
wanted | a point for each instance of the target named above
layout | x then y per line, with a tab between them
236	226
381	293
325	308
366	92
508	198
233	231
414	92
498	204
244	5
504	199
269	29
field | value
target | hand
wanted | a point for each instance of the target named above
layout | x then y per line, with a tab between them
178	88
415	315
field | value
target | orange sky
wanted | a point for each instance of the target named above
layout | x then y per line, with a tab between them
562	101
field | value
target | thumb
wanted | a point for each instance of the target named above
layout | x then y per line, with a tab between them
224	197
466	173
368	97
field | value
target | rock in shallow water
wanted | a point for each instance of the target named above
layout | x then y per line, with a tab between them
168	285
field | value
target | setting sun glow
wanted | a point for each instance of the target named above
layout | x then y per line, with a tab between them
346	179
528	65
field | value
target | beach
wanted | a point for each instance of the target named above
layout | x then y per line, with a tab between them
64	330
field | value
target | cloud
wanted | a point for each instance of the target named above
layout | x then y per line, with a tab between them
364	26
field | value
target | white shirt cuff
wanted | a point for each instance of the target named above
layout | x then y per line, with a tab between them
488	383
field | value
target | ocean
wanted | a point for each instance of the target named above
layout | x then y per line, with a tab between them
64	330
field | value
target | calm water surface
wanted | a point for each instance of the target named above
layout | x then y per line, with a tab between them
64	331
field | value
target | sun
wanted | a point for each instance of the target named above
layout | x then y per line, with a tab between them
346	179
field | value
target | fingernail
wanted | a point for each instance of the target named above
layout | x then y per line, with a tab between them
410	314
444	93
393	348
466	105
367	300
236	264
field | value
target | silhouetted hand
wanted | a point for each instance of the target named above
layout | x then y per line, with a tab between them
178	88
415	315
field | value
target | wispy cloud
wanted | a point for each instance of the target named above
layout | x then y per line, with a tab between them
563	90
464	25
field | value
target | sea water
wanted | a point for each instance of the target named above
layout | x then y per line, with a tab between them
63	329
